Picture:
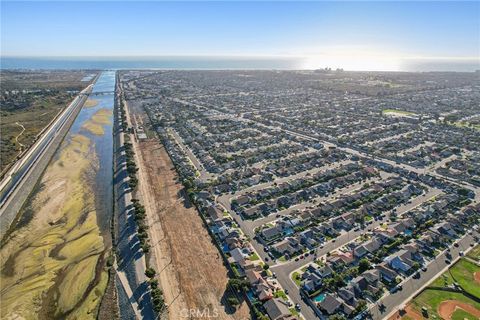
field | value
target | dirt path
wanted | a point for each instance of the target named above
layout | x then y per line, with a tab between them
161	253
477	277
447	308
18	136
191	271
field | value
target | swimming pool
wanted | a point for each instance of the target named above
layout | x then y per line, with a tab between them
319	298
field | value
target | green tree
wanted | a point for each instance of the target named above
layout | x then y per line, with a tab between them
150	272
238	284
362	305
363	265
233	301
338	279
154	283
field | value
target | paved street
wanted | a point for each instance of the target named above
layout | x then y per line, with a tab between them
411	286
284	270
204	174
278	180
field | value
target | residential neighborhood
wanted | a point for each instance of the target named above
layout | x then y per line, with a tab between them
240	160
324	203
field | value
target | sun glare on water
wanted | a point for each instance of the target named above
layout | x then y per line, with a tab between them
353	60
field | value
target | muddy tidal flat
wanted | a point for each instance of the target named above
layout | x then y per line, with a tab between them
53	262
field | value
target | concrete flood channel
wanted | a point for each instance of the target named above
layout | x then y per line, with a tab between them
54	262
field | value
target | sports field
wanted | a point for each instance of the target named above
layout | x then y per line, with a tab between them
447	304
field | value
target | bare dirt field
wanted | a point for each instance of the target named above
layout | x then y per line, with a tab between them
191	270
447	308
409	313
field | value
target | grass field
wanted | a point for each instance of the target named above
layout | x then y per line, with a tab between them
254	257
297	278
475	253
431	299
461	315
463	274
399	113
464	124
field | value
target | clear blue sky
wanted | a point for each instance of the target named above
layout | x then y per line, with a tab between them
426	29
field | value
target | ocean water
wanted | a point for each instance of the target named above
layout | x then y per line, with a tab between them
215	63
189	63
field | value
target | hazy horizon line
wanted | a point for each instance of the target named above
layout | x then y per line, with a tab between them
280	56
236	62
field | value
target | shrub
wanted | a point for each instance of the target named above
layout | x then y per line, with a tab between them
233	301
110	261
153	283
145	248
150	272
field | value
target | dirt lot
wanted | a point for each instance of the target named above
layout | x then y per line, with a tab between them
447	308
409	313
192	274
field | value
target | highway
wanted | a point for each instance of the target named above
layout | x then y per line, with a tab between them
14	180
